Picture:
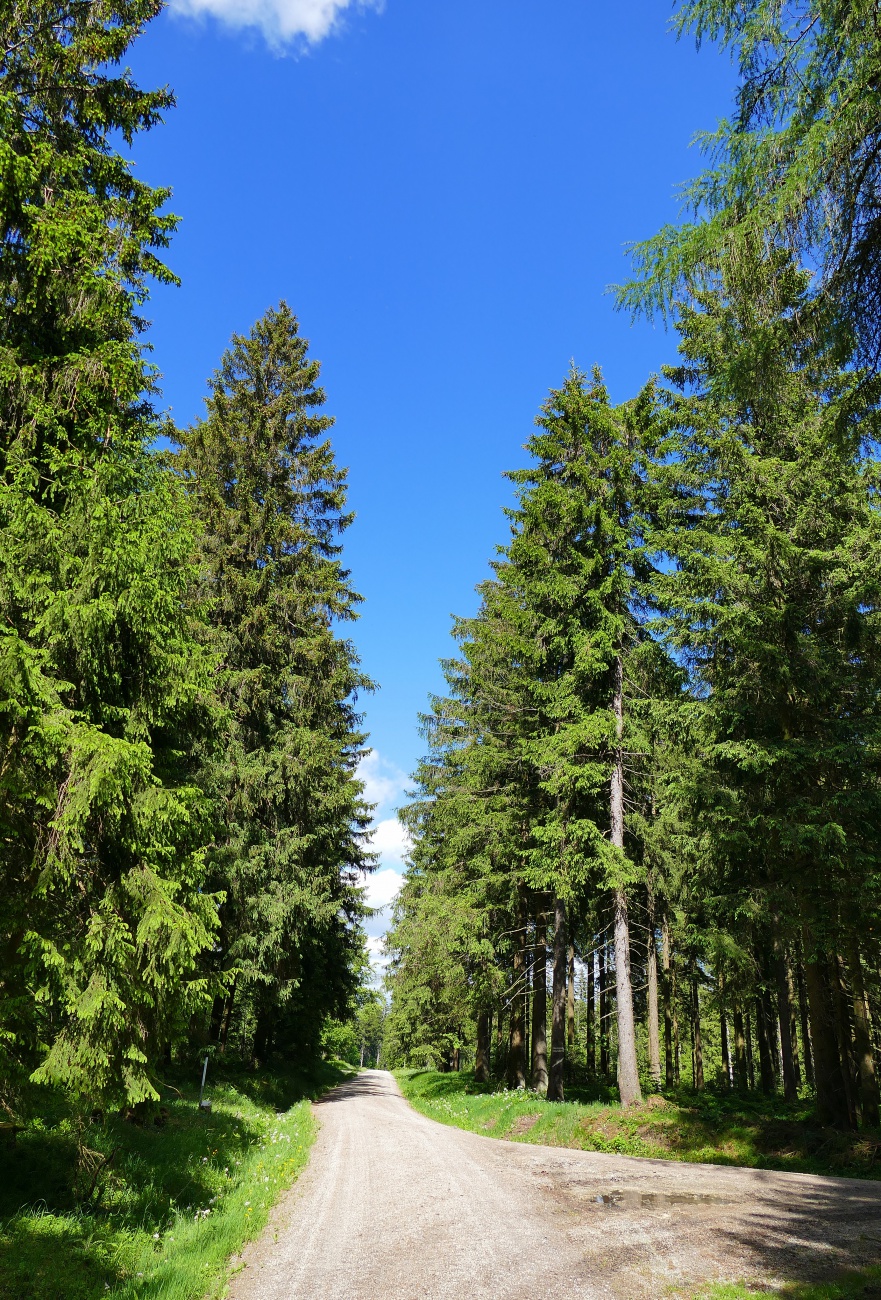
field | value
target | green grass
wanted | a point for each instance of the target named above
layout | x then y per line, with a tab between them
850	1287
175	1203
712	1128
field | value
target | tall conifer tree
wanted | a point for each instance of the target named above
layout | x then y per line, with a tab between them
270	500
772	603
103	914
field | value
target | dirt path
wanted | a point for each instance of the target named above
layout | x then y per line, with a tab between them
396	1207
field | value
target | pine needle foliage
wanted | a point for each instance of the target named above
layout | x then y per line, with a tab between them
103	911
796	164
270	501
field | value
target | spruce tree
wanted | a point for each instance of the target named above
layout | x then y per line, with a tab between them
571	568
771	603
104	913
270	501
795	165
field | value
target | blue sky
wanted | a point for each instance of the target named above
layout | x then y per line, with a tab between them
442	192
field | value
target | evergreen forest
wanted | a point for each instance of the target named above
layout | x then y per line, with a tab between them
645	828
182	822
644	835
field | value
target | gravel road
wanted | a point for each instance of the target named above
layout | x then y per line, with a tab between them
394	1206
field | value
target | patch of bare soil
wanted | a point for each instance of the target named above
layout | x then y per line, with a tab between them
655	1102
605	1125
522	1124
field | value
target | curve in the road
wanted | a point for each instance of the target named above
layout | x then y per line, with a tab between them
394	1206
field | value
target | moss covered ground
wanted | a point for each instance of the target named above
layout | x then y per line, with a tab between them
175	1200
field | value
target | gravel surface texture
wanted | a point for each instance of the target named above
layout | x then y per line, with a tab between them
394	1206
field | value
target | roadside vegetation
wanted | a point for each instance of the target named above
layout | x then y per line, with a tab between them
706	1127
94	1206
860	1285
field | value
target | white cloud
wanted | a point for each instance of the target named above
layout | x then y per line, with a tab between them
379	959
384	784
381	888
390	840
280	21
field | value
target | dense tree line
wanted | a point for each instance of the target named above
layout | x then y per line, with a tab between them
180	814
652	790
667	709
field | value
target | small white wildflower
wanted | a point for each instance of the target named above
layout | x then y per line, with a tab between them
155	1236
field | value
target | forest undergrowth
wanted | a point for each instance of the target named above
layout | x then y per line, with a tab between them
711	1128
97	1207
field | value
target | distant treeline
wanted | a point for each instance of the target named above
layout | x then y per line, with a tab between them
180	816
659	751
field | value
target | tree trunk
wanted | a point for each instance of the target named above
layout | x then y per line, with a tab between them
868	1083
558	1004
570	1003
784	1013
669	1061
590	1044
516	1043
540	1008
697	1049
604	1013
832	1105
628	1071
766	1068
843	1035
805	1023
652	998
741	1074
770	1013
677	1041
481	1057
528	956
750	1061
727	1069
793	1023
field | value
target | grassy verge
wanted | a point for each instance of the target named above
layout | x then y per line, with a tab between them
174	1202
854	1285
760	1132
